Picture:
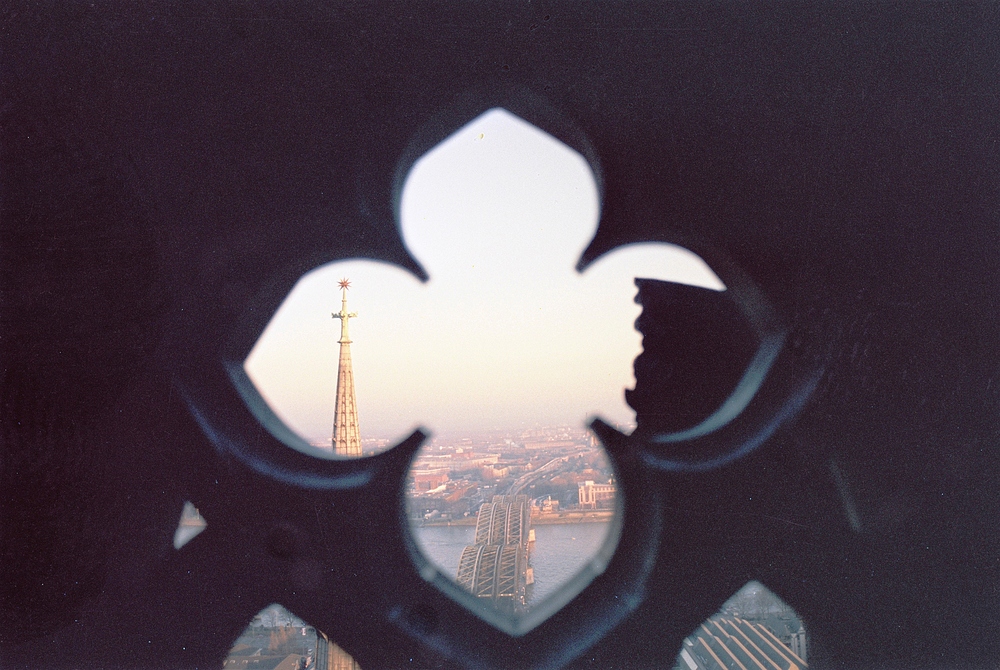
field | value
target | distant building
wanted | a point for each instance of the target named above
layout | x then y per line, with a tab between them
798	643
329	656
596	496
495	471
471	461
427	480
459	492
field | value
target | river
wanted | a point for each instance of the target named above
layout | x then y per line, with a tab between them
561	550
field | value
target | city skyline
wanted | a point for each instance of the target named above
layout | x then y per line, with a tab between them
505	334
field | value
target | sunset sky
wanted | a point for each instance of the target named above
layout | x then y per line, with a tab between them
505	334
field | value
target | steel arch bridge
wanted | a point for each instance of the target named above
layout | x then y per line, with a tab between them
496	566
504	521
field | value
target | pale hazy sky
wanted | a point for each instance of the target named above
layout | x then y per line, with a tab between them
505	334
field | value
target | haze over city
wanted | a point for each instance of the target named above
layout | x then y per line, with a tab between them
506	334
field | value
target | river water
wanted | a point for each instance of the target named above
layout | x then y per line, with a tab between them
561	550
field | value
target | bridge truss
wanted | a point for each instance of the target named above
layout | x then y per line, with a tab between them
496	566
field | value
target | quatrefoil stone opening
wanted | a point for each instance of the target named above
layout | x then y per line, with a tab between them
503	356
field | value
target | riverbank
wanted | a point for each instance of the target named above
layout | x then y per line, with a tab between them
546	519
599	516
465	521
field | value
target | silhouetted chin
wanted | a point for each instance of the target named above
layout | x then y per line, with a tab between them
696	346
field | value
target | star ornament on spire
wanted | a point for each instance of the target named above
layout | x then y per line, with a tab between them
344	283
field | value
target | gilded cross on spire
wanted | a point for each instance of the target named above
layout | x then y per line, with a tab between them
343	314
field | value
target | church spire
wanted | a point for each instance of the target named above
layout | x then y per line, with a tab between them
346	434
